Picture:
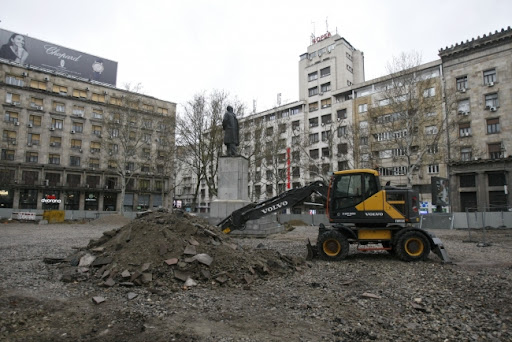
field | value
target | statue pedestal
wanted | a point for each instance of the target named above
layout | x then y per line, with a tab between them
232	188
232	194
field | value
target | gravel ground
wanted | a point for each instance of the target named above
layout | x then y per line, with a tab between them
367	297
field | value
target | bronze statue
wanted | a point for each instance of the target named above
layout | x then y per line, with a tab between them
230	127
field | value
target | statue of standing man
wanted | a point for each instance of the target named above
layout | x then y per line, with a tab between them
230	127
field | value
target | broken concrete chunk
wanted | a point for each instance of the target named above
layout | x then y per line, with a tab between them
147	278
172	261
204	259
162	249
145	267
189	260
222	279
135	275
193	242
126	274
131	295
109	282
98	250
190	250
183	276
100	261
248	279
98	300
86	260
126	284
190	282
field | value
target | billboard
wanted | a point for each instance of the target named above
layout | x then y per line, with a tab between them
440	192
21	49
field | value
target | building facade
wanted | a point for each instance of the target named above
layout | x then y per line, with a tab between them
62	145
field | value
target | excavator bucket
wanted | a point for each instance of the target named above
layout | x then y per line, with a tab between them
438	248
312	251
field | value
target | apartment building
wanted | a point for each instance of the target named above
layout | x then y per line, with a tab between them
62	148
478	88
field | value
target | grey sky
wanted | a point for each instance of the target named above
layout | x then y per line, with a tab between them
248	48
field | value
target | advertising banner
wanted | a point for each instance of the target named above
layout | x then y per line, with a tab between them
440	192
25	50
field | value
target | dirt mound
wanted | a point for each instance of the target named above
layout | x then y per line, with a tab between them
174	250
110	219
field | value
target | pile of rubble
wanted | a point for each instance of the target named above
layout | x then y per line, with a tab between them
175	250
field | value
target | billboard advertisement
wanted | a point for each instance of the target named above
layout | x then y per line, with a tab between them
440	193
22	49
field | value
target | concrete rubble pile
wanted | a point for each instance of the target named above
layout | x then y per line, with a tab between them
173	250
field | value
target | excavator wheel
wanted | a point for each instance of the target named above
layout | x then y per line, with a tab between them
413	246
332	245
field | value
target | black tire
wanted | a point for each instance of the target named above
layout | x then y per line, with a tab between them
332	245
412	246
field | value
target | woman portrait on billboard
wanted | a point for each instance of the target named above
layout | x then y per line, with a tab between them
14	49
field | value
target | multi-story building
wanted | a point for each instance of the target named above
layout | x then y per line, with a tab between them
59	149
478	88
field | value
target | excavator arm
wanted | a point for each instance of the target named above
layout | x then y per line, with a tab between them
253	211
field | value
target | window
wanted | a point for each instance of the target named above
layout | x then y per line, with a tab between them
313	91
350	69
343	165
14	80
76	144
466	154
60	89
493	126
431	130
97	114
148	108
432	149
326	135
77	127
397	152
495	151
146	137
462	83
463	107
269	175
496	179
314	154
325	87
268	190
31	157
98	97
341	114
54	159
342	131
57	124
433	168
160	110
313	122
363	141
384	102
313	138
59	107
34	120
55	141
115	101
78	110
349	56
489	77
313	106
282	128
80	93
342	149
37	84
34	139
467	181
36	103
362	108
94	163
313	76
9	136
147	124
269	131
491	101
464	129
74	161
11	117
96	130
385	154
430	92
363	125
325	71
95	147
326	119
8	154
326	103
296	156
13	99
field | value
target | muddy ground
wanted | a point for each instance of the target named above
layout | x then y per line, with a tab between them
267	293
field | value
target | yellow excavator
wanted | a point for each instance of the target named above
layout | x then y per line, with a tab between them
361	212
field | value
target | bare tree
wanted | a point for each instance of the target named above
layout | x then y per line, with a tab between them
200	136
408	122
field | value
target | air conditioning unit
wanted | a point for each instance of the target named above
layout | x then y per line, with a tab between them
493	109
487	107
52	144
86	88
29	144
13	142
46	78
30	125
339	119
80	150
462	90
17	123
116	121
491	84
320	94
323	124
24	74
104	92
92	151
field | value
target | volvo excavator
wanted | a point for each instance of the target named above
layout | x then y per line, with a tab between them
360	212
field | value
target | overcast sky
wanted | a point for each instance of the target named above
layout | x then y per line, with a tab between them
249	49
